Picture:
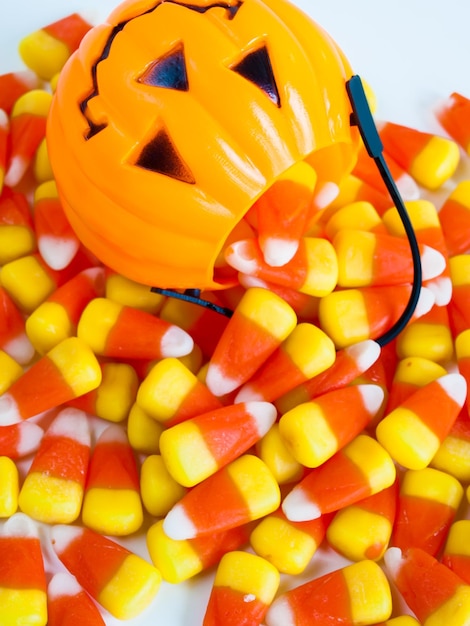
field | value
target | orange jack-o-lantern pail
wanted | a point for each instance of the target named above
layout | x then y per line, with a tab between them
173	117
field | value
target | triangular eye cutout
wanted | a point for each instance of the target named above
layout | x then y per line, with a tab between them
256	67
159	155
168	71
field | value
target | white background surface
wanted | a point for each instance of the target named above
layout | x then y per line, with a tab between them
413	53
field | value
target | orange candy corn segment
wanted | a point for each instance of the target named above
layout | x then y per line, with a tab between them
18	440
13	338
69	604
453	115
15	84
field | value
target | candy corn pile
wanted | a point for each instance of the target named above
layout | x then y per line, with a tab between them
245	448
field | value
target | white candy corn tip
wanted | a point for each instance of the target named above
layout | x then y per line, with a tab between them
248	281
441	288
176	342
20	525
364	353
63	584
57	252
218	383
433	263
264	415
16	170
113	434
30	436
248	394
393	559
298	508
177	524
238	256
455	387
426	301
9	413
20	348
325	194
4	120
72	424
277	252
62	535
280	613
407	187
372	397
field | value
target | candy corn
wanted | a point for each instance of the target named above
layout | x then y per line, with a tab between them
181	559
289	546
313	269
459	315
46	50
453	115
430	159
244	586
360	215
259	325
18	440
9	487
453	453
114	330
456	553
355	595
454	217
69	370
306	352
16	233
158	489
122	582
413	432
68	602
10	370
27	129
22	576
112	503
434	593
241	492
57	242
316	430
200	446
426	508
13	338
360	469
428	336
15	84
52	491
273	450
410	374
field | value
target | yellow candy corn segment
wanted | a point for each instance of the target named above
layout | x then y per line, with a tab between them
359	214
131	589
27	607
458	539
161	392
256	485
186	455
418	371
461	193
455	611
459	266
422	213
374	461
429	341
310	349
48	325
35	101
436	163
183	314
130	293
354	531
268	311
50	499
43	53
143	431
42	166
112	511
369	591
194	360
462	344
175	559
433	485
9	487
322	264
344	318
273	451
402	620
288	548
27	282
117	392
452	457
308	434
15	242
399	433
355	251
248	574
77	364
10	371
97	320
159	490
46	190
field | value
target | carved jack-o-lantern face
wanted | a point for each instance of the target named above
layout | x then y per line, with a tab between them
174	117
